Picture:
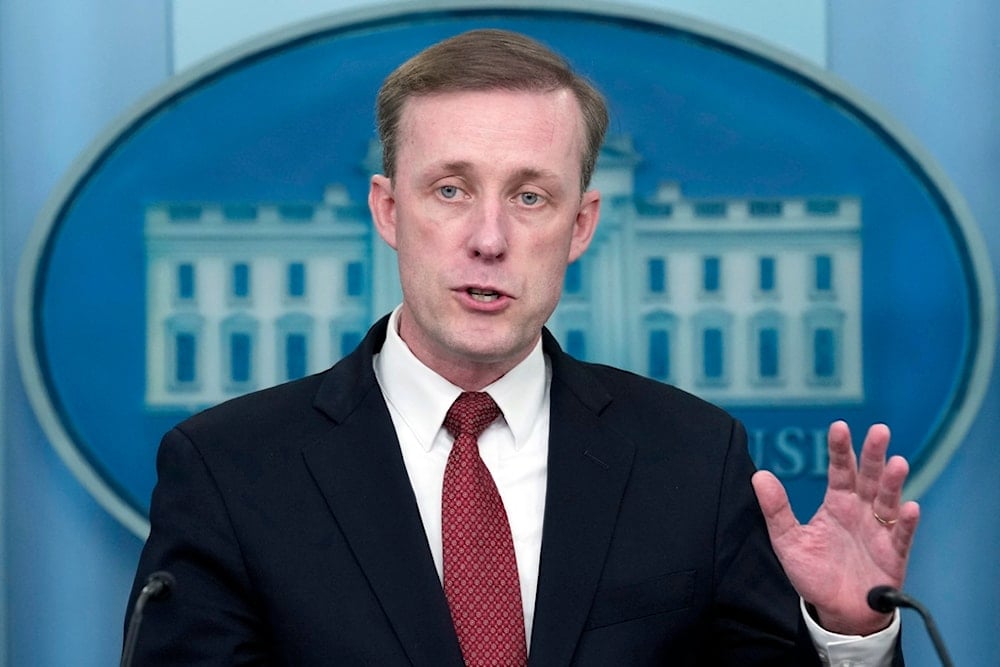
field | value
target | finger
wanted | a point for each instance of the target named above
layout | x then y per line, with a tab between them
774	504
842	471
905	528
872	461
890	488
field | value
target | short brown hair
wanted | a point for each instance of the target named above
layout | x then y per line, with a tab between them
487	60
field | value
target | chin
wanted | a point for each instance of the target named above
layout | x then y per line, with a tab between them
487	354
485	347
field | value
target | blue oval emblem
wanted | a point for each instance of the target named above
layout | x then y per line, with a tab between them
768	241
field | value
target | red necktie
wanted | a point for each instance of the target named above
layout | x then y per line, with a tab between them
480	570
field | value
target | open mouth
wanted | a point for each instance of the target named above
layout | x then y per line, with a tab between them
484	296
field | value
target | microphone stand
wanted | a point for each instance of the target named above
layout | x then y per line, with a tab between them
158	585
886	598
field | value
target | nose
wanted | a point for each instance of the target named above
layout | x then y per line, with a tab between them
488	233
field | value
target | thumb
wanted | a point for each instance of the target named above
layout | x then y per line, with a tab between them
774	504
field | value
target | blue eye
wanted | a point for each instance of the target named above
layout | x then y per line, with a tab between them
530	198
448	191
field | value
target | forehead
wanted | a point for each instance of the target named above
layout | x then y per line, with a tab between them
493	125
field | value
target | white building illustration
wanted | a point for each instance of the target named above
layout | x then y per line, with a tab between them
742	301
241	297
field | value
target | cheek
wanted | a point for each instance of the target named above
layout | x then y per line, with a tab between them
411	254
550	254
415	241
548	271
428	234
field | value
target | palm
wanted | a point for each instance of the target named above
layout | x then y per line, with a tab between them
835	559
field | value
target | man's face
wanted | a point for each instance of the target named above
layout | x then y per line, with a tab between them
485	212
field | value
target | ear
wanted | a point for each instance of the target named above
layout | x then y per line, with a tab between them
382	204
585	224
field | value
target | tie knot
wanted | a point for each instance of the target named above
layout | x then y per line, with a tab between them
470	414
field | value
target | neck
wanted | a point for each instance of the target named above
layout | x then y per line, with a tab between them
469	375
468	372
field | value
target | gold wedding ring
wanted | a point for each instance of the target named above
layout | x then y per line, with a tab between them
884	522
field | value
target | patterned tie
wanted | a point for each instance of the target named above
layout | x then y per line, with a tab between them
480	570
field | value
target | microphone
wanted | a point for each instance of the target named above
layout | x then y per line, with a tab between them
885	599
158	586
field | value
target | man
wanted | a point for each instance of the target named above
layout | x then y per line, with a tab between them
319	522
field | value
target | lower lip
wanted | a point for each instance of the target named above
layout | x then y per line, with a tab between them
471	303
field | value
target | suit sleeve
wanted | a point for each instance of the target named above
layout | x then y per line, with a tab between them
211	616
758	611
756	608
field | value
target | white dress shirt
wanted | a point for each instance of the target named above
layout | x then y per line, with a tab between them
515	450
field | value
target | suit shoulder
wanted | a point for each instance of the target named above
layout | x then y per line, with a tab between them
645	393
661	421
259	414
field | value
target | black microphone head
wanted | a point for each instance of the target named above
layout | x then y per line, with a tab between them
883	599
159	584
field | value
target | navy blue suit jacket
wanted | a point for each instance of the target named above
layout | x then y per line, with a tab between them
290	525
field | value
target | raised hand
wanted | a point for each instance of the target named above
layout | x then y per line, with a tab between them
860	536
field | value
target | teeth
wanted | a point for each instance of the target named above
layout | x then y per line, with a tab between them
483	295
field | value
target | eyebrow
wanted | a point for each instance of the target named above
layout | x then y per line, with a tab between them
529	173
523	174
458	165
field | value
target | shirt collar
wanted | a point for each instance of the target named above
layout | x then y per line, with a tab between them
422	397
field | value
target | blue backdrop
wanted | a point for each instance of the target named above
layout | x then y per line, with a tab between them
65	73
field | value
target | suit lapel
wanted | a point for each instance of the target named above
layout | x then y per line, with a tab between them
588	469
360	472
